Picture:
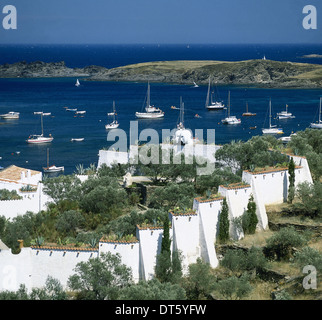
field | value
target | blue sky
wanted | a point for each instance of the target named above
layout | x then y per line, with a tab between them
160	21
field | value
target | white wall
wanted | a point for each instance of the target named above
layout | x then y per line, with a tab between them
15	269
59	264
32	201
237	200
208	212
129	252
109	157
186	237
32	266
150	246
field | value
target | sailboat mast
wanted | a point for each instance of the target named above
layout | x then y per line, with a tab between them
207	99
320	110
113	110
47	157
270	113
228	104
181	111
42	125
148	96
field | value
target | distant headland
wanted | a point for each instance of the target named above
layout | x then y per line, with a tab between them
262	73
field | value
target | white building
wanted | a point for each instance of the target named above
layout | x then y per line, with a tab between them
28	185
192	233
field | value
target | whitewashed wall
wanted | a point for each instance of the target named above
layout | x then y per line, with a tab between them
208	212
129	252
109	157
186	237
150	246
32	266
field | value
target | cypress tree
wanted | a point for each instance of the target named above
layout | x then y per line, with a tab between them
224	223
163	265
252	217
166	242
291	188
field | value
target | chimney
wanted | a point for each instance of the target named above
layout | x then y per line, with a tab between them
20	244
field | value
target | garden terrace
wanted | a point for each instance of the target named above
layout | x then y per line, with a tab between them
114	239
238	185
269	169
184	213
213	197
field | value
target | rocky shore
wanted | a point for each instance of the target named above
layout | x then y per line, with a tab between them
262	73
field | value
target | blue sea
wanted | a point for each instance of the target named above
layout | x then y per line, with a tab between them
54	95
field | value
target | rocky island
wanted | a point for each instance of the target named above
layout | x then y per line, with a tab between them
262	73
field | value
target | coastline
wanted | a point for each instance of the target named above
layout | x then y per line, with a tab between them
258	73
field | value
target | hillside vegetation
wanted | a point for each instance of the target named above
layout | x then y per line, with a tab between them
264	73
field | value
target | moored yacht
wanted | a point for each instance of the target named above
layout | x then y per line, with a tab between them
230	119
151	112
317	125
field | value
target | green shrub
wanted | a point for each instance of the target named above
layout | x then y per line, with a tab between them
281	243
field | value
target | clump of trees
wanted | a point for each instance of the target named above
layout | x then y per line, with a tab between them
280	245
259	151
308	143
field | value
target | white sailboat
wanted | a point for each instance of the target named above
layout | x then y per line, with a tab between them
213	105
272	128
39	138
151	112
285	114
53	168
195	85
317	125
114	124
77	84
230	119
182	136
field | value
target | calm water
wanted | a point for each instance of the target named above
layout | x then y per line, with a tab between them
52	95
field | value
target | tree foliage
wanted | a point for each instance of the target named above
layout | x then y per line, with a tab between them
291	188
153	290
100	278
308	143
255	152
200	281
281	243
223	235
249	218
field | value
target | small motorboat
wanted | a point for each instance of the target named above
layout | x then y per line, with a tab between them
77	139
53	169
10	115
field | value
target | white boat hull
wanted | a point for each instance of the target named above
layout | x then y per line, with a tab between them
231	120
111	126
40	140
149	115
316	125
53	169
272	131
285	117
10	115
77	139
215	106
